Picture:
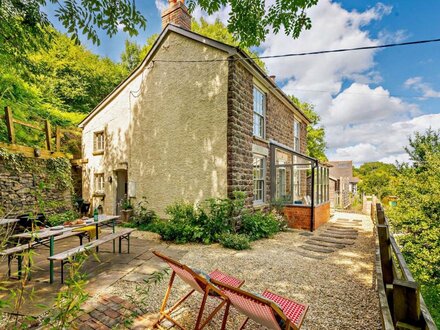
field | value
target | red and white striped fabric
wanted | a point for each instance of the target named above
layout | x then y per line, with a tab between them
187	277
225	278
254	309
293	310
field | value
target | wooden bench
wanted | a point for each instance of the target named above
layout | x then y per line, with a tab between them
16	251
66	256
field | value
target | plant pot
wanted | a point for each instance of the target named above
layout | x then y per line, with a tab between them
126	215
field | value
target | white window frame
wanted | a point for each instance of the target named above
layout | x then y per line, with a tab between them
99	183
296	135
259	184
98	142
259	130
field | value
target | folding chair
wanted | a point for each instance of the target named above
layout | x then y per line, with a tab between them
199	283
269	309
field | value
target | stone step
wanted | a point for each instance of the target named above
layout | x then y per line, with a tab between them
317	248
342	232
338	236
335	227
311	256
326	244
340	223
333	240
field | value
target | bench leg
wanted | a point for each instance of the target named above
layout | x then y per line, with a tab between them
120	244
128	243
9	266
19	258
80	239
62	272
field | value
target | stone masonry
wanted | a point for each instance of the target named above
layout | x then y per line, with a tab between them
279	127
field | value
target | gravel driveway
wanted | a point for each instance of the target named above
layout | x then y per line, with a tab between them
338	286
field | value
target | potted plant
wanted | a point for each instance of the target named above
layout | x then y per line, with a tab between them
127	209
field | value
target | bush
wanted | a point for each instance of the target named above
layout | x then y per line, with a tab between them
143	217
60	218
235	241
259	225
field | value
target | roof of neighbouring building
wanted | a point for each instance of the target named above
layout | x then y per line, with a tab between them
231	50
341	168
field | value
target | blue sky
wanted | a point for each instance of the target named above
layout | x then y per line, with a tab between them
369	101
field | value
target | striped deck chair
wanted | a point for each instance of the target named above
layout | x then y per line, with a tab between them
269	309
198	283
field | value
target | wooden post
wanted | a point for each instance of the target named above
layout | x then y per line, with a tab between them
48	135
380	214
406	304
385	254
58	138
10	125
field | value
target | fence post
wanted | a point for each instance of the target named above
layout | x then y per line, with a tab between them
406	304
48	135
380	214
58	138
386	260
10	125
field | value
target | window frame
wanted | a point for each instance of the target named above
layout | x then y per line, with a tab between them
96	150
296	135
259	181
98	184
256	114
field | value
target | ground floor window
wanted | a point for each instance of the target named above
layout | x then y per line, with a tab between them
259	178
99	183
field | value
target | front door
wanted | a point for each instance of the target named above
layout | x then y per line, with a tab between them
121	189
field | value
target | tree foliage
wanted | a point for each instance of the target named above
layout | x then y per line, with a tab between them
316	144
377	179
251	20
421	145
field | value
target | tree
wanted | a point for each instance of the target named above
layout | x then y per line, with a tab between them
422	144
131	56
23	22
316	144
376	179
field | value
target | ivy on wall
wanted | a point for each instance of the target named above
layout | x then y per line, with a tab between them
55	171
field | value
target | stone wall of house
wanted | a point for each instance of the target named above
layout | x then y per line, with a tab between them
19	189
240	121
241	143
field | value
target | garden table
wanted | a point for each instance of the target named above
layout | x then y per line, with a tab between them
103	220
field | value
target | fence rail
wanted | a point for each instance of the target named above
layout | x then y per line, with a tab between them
401	304
46	128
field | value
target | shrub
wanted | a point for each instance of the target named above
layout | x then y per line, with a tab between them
143	217
259	225
235	241
60	218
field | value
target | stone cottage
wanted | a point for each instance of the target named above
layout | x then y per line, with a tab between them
197	119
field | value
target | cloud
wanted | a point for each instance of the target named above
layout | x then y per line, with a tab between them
161	5
417	84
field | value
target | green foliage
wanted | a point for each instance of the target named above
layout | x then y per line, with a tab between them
59	218
251	20
421	145
258	225
316	144
143	217
235	241
377	178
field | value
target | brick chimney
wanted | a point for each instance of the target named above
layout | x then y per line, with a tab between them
176	14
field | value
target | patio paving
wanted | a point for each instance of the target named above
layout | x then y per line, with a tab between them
338	285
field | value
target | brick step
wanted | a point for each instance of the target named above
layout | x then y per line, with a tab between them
333	240
317	248
326	244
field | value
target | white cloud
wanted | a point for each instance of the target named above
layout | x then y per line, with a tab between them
161	5
425	89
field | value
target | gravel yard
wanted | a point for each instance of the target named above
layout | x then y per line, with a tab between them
338	286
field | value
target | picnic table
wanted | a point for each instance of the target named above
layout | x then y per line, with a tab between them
51	233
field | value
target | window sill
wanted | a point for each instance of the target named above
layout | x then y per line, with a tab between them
260	139
97	153
99	194
260	205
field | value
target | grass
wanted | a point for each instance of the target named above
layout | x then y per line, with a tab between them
431	295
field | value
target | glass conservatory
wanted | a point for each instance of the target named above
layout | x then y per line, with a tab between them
301	184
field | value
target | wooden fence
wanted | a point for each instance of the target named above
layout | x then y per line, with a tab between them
401	304
52	141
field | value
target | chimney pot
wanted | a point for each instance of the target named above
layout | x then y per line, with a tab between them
272	77
176	13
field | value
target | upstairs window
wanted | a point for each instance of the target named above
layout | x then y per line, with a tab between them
98	142
296	135
259	112
99	183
